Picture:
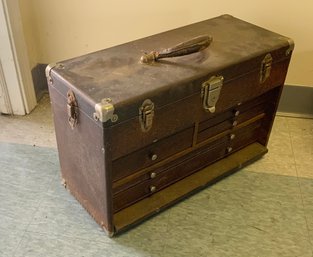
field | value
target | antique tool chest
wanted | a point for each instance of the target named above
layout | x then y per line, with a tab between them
142	125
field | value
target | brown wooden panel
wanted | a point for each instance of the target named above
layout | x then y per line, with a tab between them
84	167
168	176
174	160
214	130
152	154
159	201
215	120
245	136
252	112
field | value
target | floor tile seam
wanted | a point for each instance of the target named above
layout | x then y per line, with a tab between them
269	173
31	220
300	189
39	204
8	142
274	193
41	233
17	187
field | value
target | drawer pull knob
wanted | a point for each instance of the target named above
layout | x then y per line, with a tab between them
235	123
229	149
232	136
152	175
153	157
152	189
236	113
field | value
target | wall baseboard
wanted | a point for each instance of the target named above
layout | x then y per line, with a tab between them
39	80
296	101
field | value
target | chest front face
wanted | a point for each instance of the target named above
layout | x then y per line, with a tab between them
135	138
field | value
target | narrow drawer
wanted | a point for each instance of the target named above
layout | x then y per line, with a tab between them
233	117
152	154
170	175
253	111
244	136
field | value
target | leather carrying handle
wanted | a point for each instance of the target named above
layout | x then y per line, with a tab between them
191	46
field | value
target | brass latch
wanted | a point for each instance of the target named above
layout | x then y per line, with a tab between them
266	67
146	114
72	109
210	92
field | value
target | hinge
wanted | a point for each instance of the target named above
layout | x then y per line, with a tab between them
266	67
104	111
146	114
49	68
210	92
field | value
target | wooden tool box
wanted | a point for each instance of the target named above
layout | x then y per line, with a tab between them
138	131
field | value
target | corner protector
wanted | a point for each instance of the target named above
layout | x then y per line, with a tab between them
227	16
104	111
291	46
49	68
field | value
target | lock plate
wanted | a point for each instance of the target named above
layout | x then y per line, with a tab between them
210	92
266	67
146	114
72	109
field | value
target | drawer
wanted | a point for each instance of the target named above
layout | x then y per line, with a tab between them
152	154
170	174
244	136
233	117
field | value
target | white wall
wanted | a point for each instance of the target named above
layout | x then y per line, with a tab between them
61	29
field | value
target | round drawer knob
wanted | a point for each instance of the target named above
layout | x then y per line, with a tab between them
229	149
153	157
152	189
236	113
232	136
235	123
152	175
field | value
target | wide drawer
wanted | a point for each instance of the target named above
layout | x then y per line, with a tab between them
152	154
170	174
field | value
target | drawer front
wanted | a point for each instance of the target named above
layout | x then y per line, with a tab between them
170	175
233	117
244	136
152	154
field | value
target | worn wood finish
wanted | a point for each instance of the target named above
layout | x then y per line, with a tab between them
189	110
152	154
169	175
149	206
123	172
93	169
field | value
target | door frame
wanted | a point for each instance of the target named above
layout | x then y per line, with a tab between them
17	94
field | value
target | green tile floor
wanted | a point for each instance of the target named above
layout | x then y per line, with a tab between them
265	209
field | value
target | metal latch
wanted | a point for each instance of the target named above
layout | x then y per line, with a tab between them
72	109
210	92
266	67
146	114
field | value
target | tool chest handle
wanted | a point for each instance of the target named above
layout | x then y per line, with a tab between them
191	46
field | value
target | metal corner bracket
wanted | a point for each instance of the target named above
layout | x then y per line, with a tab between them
104	111
49	68
291	46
